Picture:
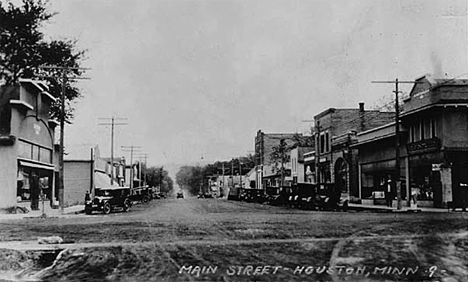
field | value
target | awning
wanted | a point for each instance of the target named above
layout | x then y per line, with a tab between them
102	180
35	165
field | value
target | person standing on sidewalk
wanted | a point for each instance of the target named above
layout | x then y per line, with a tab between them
388	193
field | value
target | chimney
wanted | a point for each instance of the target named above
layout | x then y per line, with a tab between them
362	120
361	106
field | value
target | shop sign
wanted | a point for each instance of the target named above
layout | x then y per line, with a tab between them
436	167
424	145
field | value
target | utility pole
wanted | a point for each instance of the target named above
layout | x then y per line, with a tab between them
317	154
232	172
223	179
64	78
145	156
112	124
397	138
240	173
131	150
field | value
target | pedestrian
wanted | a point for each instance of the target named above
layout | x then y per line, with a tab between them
388	193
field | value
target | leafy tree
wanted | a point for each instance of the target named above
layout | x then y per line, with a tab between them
190	178
23	50
159	177
303	141
280	156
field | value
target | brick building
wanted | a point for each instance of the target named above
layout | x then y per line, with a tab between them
434	146
335	131
436	118
26	145
266	174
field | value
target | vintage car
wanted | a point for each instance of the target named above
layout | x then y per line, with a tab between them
109	199
312	196
141	194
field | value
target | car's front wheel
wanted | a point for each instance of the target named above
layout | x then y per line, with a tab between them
107	208
88	210
127	205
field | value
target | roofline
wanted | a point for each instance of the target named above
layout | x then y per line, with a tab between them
403	114
376	128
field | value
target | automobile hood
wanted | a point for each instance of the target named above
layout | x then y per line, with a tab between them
103	198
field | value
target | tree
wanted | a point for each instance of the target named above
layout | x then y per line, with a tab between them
280	156
159	177
190	178
23	50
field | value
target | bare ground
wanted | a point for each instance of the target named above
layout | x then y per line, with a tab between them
217	240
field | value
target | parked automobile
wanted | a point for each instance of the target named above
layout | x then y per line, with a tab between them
141	194
330	198
205	195
109	199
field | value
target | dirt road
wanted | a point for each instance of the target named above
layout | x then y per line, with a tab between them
218	240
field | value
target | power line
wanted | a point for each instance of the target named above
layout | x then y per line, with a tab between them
64	77
131	149
397	136
112	124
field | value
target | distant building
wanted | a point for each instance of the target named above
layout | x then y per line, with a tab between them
84	171
298	168
26	145
266	171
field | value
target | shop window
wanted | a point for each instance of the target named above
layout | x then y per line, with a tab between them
35	153
23	186
25	150
45	155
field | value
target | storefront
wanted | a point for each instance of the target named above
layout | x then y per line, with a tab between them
27	162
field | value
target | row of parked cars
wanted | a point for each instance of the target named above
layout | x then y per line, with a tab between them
302	195
110	199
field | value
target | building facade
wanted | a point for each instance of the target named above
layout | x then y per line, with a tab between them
266	169
434	147
335	132
27	170
436	118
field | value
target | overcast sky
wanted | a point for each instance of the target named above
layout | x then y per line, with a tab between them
199	78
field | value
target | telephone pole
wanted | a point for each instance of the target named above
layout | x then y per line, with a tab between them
112	124
131	149
64	78
240	173
140	157
397	136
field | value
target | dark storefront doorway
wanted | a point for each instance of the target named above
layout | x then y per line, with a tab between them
459	178
31	184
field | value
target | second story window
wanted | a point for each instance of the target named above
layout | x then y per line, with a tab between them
324	142
422	126
433	131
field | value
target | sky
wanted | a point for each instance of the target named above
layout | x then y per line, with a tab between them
198	79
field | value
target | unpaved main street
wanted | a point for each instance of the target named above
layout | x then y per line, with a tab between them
219	240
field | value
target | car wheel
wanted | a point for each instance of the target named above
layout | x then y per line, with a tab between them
88	210
145	200
107	208
127	205
345	206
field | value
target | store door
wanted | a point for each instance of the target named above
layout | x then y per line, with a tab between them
34	191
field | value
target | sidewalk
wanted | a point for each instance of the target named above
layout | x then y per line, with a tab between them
381	208
48	211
